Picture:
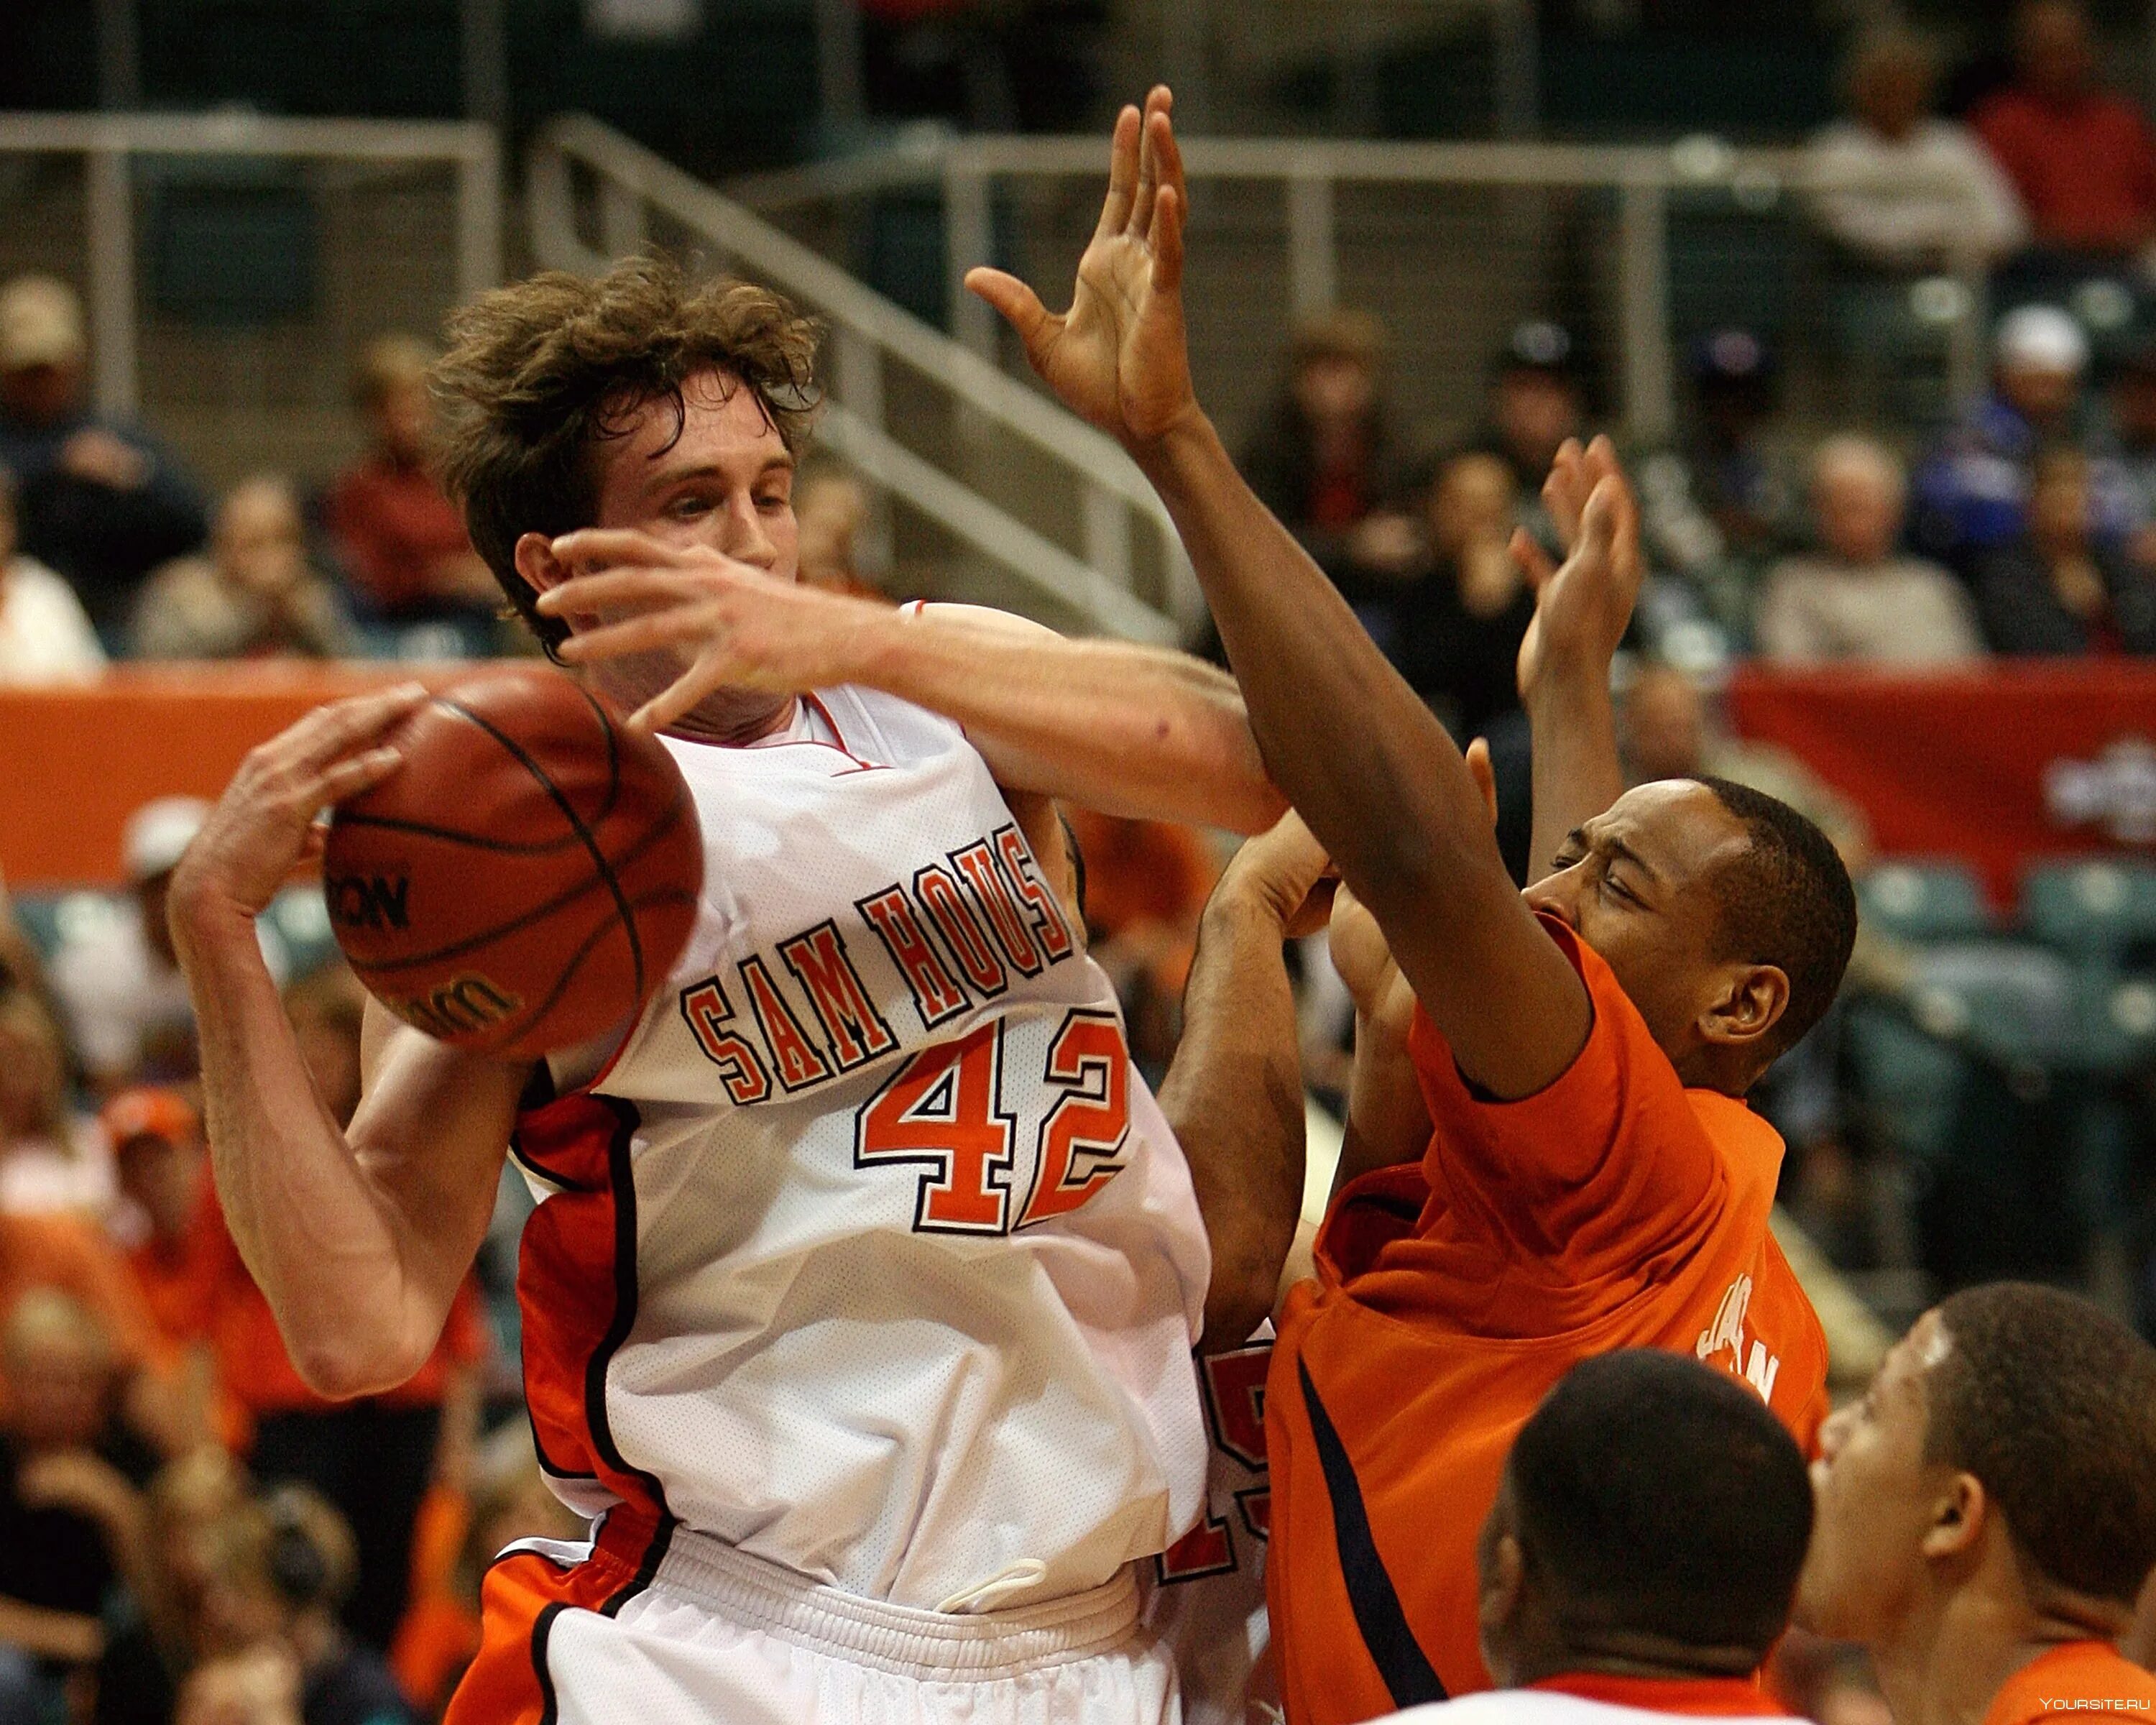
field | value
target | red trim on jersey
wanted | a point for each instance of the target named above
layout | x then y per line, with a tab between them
576	1284
510	1681
1703	1698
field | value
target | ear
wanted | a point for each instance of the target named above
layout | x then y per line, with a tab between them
1503	1591
538	564
1747	1005
1958	1514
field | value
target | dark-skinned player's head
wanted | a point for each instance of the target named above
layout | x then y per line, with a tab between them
1652	1518
1726	915
641	400
2007	1447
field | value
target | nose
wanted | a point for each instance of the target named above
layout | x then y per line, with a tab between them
748	541
1831	1436
1557	896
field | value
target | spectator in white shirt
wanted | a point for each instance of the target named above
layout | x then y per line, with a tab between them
1900	189
116	979
45	636
1857	597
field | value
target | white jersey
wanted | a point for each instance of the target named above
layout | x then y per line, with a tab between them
1550	1706
1207	1594
869	1253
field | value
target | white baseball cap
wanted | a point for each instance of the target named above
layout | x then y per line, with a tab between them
158	834
2040	338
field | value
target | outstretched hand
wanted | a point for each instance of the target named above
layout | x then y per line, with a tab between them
1117	358
1584	605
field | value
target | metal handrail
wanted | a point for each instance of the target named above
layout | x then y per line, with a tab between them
111	142
1643	177
866	327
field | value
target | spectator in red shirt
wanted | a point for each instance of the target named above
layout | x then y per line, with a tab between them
2082	157
401	537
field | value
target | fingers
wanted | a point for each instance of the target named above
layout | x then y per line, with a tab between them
1140	222
343	725
342	780
677	698
1599	520
598	547
613	588
1166	240
1019	304
1122	175
1484	774
639	635
1533	561
1565	490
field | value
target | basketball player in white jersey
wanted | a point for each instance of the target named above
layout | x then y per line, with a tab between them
859	1299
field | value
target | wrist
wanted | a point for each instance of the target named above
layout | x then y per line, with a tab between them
206	922
1575	679
1243	905
1189	436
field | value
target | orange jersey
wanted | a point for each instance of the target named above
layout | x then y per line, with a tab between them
2078	1680
1614	1208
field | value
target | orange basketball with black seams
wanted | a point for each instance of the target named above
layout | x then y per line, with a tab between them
524	880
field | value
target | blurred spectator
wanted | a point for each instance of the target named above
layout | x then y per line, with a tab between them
100	501
1534	403
2059	589
279	1570
1463	623
1327	463
258	1687
253	594
1971	492
45	635
2080	157
2132	400
47	1163
1145	884
1713	511
72	1522
117	980
510	1501
1857	597
400	535
1899	189
831	515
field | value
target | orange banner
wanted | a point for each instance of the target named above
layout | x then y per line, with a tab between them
75	763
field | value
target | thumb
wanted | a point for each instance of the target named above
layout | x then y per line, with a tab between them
1484	774
1533	562
1019	304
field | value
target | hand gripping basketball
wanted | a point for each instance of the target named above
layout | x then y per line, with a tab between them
263	825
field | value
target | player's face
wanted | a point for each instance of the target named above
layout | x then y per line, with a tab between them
1875	1497
1636	883
724	481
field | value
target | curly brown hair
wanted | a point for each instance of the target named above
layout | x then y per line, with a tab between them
539	373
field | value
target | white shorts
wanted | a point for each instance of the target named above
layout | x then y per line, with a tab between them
714	1636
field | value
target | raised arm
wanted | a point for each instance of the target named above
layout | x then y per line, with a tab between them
1118	726
1582	610
1233	1094
358	1240
1372	771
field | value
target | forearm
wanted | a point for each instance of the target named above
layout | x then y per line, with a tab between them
1234	1097
1576	773
320	1238
67	1637
1125	728
1388	1120
1346	740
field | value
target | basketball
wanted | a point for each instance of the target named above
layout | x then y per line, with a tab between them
523	880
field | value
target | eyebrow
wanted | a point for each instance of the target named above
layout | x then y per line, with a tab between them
710	470
1619	851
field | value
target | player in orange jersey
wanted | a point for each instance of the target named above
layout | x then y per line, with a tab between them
1640	1557
1987	1513
1578	1172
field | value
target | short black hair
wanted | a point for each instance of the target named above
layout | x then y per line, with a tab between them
1786	901
2051	1402
1657	1496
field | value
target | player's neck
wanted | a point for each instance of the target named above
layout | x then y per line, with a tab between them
732	726
1956	1655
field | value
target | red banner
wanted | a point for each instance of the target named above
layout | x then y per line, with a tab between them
2002	767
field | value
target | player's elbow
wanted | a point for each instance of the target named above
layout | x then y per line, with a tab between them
340	1367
